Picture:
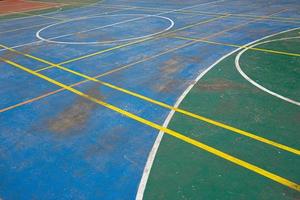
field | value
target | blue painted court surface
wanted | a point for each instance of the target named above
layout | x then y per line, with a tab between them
58	144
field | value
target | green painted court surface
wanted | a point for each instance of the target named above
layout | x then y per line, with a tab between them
182	171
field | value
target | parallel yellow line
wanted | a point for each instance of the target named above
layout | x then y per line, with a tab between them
187	113
173	133
239	46
132	43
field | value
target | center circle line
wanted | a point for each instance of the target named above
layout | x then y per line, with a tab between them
52	39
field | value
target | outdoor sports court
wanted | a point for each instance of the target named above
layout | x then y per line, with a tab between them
150	99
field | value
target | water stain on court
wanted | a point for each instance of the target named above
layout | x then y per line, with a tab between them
170	71
76	116
167	80
81	35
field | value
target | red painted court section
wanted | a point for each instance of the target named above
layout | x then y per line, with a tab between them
13	6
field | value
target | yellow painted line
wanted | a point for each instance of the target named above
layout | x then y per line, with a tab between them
239	46
131	43
187	113
173	133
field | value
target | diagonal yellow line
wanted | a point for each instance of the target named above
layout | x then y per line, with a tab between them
173	133
187	113
253	136
239	46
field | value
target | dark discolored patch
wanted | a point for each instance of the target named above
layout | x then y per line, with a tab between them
167	80
219	85
76	116
168	86
81	35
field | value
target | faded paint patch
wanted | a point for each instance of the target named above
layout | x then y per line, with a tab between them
76	116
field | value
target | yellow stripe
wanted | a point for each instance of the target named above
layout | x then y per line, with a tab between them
131	43
242	47
175	134
190	114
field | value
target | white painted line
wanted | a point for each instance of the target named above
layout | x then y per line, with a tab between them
39	41
238	67
36	42
134	19
53	39
152	154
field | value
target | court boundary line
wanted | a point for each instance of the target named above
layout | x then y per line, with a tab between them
167	106
259	86
99	75
201	118
175	134
153	152
164	105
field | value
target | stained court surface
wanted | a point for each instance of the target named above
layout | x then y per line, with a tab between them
154	100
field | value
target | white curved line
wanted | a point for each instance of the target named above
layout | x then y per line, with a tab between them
152	154
171	11
238	67
52	40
